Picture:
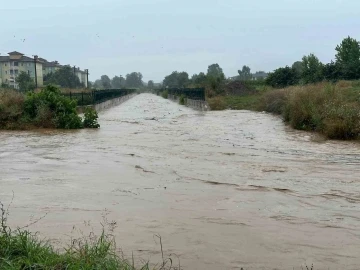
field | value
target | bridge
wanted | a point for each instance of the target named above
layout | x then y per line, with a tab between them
106	98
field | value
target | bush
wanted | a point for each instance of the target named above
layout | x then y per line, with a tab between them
165	94
62	109
45	109
182	100
332	109
217	103
274	101
11	107
282	77
90	118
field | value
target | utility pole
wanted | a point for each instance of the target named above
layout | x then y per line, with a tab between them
87	78
35	61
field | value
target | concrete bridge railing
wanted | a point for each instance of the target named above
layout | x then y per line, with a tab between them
106	104
200	105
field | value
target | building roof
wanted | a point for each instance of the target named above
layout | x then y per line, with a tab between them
27	59
22	59
15	53
51	64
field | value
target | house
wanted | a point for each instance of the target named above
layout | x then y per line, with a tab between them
82	75
14	63
49	67
259	75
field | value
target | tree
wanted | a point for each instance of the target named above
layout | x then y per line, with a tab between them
151	84
122	81
64	77
215	71
183	79
331	72
176	80
298	67
134	80
105	81
25	82
98	84
311	69
245	73
117	82
282	77
199	79
215	78
348	58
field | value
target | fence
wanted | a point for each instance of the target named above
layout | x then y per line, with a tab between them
190	93
98	96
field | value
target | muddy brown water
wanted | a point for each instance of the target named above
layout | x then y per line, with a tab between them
224	189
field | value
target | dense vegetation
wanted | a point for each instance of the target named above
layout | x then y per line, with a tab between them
21	249
131	80
25	82
63	77
311	70
310	95
46	109
331	109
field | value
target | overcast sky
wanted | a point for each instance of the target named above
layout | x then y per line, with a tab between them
156	37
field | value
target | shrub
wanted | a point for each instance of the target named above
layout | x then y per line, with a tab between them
282	77
274	101
90	118
46	109
217	103
62	109
165	94
332	109
182	100
11	107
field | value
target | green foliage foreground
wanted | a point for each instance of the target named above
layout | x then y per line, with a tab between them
21	249
46	109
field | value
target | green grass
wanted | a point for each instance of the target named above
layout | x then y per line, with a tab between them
327	108
249	102
244	102
22	250
331	109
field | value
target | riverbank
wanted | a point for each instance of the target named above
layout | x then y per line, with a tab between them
327	108
45	109
22	249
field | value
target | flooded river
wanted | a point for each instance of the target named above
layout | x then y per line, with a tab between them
224	190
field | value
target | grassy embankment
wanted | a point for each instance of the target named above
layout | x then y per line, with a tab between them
240	96
331	109
21	249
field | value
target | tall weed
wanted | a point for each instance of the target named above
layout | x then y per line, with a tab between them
332	109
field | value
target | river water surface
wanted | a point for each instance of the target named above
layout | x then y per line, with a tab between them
224	190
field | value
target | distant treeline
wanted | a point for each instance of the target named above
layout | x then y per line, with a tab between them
131	80
311	70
